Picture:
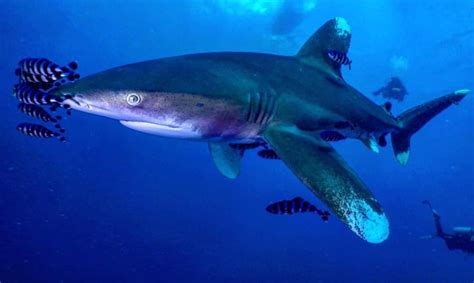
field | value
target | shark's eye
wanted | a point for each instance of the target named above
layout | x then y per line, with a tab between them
133	99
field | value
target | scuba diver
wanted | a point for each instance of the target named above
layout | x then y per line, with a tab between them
462	239
394	90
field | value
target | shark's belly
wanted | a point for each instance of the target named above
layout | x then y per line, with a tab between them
243	133
214	126
181	132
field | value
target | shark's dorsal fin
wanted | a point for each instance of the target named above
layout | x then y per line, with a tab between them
335	34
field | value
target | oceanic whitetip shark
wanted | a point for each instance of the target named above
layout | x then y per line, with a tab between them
286	101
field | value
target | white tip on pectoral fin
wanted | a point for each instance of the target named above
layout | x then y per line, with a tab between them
370	225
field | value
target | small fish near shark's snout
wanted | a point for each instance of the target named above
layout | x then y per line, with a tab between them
297	105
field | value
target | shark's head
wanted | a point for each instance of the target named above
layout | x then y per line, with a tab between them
132	103
119	104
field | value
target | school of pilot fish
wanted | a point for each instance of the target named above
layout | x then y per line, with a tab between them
37	77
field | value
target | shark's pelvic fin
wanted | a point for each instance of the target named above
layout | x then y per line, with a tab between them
326	174
335	34
226	159
414	119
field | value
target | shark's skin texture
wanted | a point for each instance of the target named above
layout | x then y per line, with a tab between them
286	101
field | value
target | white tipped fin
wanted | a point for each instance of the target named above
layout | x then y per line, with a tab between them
371	144
403	156
328	176
342	27
462	91
372	225
335	34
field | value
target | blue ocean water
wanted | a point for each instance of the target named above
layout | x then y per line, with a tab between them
114	205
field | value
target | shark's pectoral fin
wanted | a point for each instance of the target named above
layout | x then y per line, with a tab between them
335	35
324	172
226	159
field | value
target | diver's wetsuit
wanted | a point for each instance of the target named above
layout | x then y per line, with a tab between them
394	89
457	241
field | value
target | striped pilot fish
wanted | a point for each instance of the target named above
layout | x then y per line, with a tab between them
45	72
268	154
340	58
332	136
38	112
296	205
247	146
35	130
31	95
242	147
39	81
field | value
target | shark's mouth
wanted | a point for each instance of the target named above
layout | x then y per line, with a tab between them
162	130
79	103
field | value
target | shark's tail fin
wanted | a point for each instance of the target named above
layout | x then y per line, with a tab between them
414	119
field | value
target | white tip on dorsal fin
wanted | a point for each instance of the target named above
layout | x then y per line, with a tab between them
342	27
335	35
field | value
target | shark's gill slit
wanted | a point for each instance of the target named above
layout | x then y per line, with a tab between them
258	96
271	108
263	107
249	107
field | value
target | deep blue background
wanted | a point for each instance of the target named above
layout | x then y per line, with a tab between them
114	205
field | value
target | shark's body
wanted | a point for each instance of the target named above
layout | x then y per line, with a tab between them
286	101
235	96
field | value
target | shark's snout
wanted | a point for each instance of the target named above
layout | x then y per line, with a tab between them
92	104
